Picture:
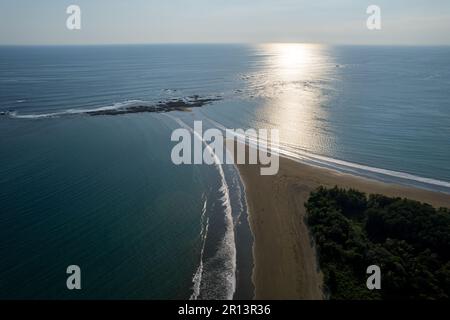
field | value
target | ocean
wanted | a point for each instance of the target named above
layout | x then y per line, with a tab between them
101	192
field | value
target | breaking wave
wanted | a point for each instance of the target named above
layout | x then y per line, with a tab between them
80	111
226	252
297	154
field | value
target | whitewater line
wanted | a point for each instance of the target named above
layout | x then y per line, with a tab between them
80	111
229	241
303	156
197	279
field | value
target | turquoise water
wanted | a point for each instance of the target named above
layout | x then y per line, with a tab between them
102	192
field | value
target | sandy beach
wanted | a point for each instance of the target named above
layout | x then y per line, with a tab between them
286	266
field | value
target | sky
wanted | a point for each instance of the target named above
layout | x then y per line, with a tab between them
43	22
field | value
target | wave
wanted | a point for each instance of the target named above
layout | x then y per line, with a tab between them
295	153
226	253
80	111
197	279
127	107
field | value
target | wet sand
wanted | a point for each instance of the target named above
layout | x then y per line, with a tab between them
285	260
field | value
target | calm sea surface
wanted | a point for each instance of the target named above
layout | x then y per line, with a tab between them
102	193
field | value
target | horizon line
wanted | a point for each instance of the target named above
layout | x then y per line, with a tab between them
217	43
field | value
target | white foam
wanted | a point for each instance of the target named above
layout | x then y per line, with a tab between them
197	279
115	106
227	249
302	156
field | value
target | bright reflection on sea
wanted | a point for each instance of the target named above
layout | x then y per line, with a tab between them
294	81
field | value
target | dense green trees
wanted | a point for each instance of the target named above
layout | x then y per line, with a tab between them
408	240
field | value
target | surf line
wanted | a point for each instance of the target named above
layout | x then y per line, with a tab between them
301	156
214	141
228	243
197	279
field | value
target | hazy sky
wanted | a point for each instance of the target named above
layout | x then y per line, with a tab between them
149	21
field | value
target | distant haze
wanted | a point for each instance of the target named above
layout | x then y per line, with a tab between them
413	22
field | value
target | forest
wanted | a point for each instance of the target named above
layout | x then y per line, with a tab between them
408	240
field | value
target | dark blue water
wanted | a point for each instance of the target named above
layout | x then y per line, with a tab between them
102	192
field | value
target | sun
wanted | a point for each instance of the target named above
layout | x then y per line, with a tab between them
292	60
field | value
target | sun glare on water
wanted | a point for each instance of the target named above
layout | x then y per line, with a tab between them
292	76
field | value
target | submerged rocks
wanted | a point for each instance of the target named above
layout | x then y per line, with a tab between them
178	104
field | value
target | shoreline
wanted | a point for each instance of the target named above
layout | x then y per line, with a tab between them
284	257
245	288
